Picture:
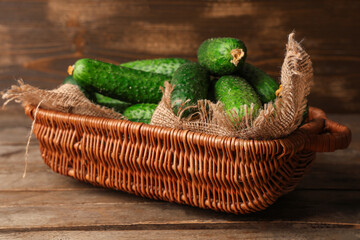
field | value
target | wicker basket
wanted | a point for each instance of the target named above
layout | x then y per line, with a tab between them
221	173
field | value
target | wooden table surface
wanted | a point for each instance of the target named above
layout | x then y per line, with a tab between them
46	205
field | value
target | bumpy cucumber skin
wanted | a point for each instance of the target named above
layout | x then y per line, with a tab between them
117	105
214	54
165	66
234	92
264	85
88	95
141	112
126	84
191	82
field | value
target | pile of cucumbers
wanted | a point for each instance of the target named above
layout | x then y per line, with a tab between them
133	88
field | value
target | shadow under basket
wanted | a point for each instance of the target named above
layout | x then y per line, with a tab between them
220	173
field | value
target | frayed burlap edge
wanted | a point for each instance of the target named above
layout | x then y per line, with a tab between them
67	98
275	120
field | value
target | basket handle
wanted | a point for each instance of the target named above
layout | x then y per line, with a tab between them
328	136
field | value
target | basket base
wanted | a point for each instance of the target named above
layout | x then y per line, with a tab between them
179	191
206	171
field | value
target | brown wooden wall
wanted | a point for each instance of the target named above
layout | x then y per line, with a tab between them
40	38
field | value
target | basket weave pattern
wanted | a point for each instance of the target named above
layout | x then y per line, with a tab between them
206	171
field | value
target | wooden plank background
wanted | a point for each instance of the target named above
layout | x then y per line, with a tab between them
40	38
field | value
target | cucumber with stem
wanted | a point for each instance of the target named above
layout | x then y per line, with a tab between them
126	84
222	56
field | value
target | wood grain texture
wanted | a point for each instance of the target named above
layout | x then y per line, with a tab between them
248	232
94	209
46	205
39	39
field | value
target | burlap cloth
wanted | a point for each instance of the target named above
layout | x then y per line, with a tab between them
275	120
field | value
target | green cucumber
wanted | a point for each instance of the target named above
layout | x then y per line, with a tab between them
141	112
191	82
165	66
115	104
222	56
99	99
71	80
264	85
233	92
126	84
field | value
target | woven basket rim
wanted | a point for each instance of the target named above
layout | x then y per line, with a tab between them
230	141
